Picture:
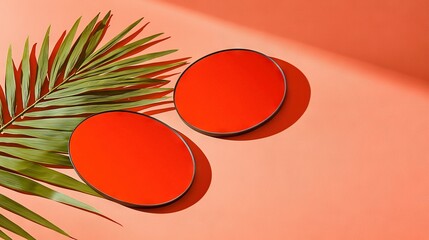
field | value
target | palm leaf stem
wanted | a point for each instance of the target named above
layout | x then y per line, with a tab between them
35	103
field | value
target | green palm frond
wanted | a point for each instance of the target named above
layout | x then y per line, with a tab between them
46	97
18	209
13	227
4	236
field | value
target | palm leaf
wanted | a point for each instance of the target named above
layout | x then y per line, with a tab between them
10	83
19	209
4	236
62	54
25	80
43	104
42	69
41	173
11	226
19	183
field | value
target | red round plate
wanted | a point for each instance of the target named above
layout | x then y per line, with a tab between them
132	158
230	92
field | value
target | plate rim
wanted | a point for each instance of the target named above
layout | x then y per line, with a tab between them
249	129
130	204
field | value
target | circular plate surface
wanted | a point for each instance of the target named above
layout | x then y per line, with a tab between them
230	92
132	158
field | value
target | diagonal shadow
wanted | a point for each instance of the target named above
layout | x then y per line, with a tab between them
316	23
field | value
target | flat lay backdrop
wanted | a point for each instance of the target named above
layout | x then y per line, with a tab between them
353	164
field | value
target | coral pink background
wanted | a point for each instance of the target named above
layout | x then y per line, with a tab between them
353	166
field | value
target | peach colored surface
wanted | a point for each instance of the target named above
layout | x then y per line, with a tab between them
352	165
391	33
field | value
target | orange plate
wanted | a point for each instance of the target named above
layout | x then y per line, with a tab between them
132	158
230	92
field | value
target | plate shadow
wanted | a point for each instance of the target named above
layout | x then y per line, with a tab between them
297	100
200	186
